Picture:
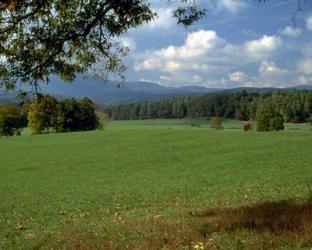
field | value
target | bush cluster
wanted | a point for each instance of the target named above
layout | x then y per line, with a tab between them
69	115
268	120
46	114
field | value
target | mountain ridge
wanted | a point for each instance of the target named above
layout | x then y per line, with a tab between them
109	93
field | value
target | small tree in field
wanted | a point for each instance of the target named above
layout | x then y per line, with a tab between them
216	122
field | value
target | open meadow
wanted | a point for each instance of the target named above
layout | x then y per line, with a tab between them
158	184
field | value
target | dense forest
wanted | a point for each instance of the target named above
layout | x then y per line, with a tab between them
293	106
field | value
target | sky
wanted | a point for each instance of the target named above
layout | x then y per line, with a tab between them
239	43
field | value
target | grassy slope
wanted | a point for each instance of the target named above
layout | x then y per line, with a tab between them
135	183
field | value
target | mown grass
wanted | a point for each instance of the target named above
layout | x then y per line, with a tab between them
151	185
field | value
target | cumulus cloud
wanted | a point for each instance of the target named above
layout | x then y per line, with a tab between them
270	68
261	47
205	51
290	31
309	23
237	76
128	42
187	56
163	20
205	55
232	6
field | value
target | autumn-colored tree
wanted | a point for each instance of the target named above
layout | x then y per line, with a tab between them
216	122
42	114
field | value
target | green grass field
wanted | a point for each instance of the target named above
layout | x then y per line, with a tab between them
151	184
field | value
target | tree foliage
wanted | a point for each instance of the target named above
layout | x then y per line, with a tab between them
40	38
292	106
76	115
46	114
277	123
36	118
267	119
11	120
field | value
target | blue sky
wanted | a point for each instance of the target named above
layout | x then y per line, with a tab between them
239	43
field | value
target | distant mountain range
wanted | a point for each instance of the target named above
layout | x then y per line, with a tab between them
109	92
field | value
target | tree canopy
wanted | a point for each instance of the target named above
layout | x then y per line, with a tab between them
41	38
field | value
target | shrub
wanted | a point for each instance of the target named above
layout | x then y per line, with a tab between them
248	126
216	122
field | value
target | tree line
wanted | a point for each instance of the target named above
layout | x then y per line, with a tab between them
46	114
289	105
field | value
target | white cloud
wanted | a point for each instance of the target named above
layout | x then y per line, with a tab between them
128	42
290	31
188	56
163	20
205	51
204	55
261	47
165	78
237	76
270	68
305	66
232	6
172	66
309	23
148	80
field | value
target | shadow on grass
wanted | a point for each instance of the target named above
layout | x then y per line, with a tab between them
266	225
283	222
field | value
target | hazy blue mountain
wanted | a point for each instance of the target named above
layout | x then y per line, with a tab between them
303	87
253	90
109	93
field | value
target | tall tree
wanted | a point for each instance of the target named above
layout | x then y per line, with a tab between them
40	38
